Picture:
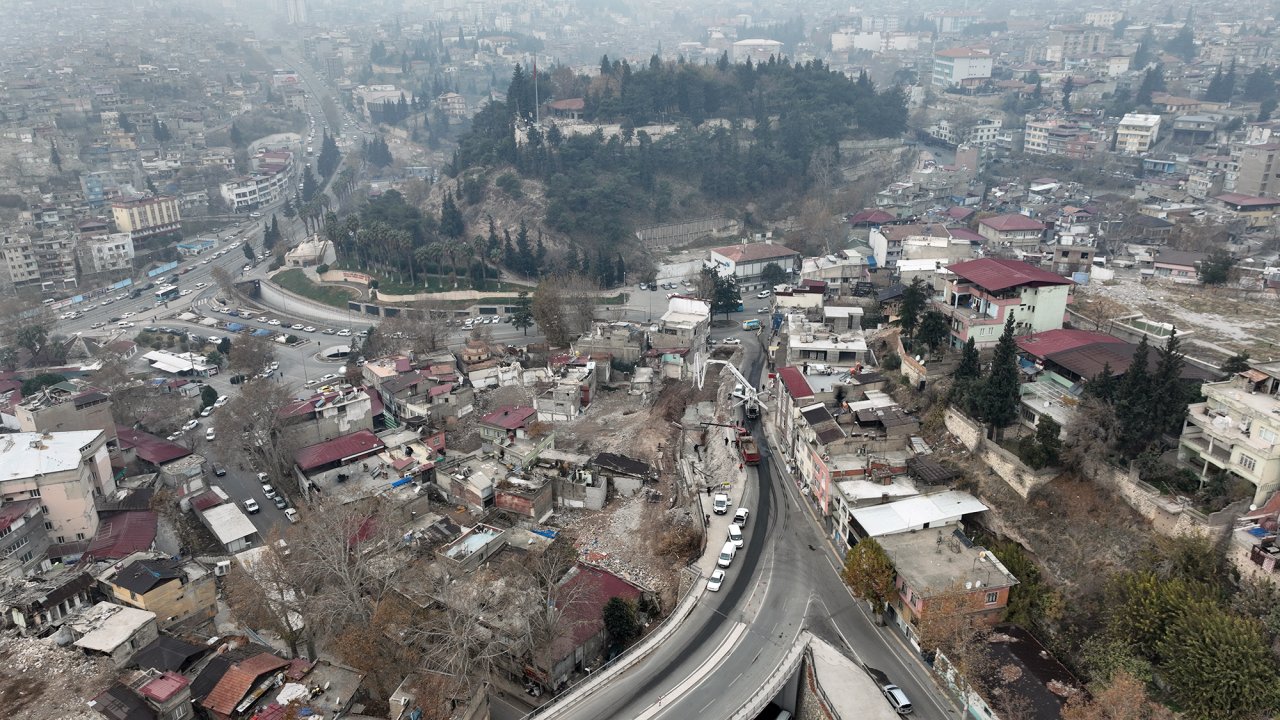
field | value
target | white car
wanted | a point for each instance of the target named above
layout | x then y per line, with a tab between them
263	319
344	333
716	580
207	412
251	506
190	425
124	324
731	341
273	321
235	244
186	292
308	328
720	504
329	377
735	532
201	285
125	316
208	434
763	294
205	261
296	326
222	400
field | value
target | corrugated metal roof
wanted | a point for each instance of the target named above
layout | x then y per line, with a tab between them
354	445
1000	274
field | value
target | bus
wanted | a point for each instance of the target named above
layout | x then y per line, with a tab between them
166	293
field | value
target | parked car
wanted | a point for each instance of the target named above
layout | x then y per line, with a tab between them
735	535
219	471
740	516
763	294
716	580
280	501
720	503
251	506
291	514
209	435
190	425
268	491
731	341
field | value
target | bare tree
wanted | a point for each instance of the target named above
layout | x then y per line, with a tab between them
223	278
951	623
251	426
422	330
250	354
268	593
549	311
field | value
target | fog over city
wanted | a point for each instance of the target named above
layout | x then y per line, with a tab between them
607	360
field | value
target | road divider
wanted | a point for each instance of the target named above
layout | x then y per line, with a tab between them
724	648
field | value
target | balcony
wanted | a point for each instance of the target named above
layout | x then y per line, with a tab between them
1207	448
968	316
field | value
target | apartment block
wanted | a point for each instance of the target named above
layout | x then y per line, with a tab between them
961	67
1236	430
147	216
1136	133
1059	137
1068	43
1259	172
67	471
105	253
983	293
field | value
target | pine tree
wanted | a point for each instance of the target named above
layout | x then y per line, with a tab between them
1169	393
524	253
234	135
508	251
1133	396
451	222
1068	87
620	270
1000	393
539	254
1103	385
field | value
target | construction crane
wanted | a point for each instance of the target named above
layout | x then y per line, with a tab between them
750	397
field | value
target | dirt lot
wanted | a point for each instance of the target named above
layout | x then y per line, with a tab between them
39	680
1236	320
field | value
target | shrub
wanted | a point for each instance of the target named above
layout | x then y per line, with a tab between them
322	269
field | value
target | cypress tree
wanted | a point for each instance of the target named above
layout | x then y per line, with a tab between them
1000	395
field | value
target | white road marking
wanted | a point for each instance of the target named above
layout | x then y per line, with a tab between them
694	678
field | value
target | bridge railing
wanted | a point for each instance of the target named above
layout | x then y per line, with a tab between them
773	684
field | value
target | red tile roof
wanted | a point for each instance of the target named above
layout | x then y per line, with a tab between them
375	400
795	383
749	252
347	447
1049	342
871	216
122	535
589	589
1011	222
237	681
148	447
509	417
999	274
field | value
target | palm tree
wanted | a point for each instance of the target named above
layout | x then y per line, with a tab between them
432	254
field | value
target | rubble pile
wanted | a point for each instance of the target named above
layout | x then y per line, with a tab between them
40	680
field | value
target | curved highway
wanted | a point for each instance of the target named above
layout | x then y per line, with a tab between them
785	580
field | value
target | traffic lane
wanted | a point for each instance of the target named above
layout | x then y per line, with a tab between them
241	483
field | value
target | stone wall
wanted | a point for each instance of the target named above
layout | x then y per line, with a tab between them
1172	517
972	434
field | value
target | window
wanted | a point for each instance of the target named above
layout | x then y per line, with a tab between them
34	493
1247	463
48	525
1267	434
61	539
79	536
992	597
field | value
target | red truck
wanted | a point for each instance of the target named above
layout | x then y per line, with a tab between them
747	446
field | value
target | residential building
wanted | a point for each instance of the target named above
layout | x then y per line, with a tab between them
55	251
983	131
813	343
372	100
1059	137
238	681
591	588
1071	259
1179	265
685	324
178	592
1103	18
1236	430
453	105
1068	43
18	267
228	523
63	407
251	191
38	604
107	253
757	50
326	415
506	423
1137	133
1012	230
67	471
113	631
745	262
1256	212
984	291
1194	129
943	570
889	243
147	216
146	694
962	67
24	539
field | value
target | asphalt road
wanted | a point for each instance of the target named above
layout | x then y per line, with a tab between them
785	580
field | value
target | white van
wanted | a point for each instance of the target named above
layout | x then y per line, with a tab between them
735	535
726	554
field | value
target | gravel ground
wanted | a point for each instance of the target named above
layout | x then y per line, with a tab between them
1244	319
